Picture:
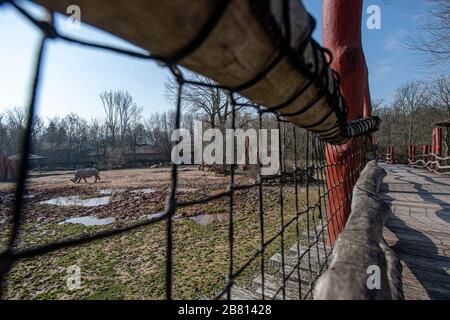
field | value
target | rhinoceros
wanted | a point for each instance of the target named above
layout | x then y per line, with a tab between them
86	173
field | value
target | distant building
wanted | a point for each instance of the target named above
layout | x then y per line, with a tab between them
142	155
145	154
9	166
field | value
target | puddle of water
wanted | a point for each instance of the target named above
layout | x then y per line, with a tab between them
159	215
154	216
146	191
108	192
186	190
76	201
207	219
89	221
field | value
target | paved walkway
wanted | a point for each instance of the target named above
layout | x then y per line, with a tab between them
418	229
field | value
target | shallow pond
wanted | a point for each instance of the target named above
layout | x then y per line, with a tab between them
145	191
186	190
108	192
154	216
89	221
76	201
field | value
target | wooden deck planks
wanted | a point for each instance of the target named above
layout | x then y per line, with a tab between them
418	229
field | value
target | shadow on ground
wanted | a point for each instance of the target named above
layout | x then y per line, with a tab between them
417	250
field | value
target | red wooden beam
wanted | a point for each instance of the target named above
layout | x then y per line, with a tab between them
341	33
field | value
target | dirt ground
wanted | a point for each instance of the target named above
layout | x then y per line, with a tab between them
132	265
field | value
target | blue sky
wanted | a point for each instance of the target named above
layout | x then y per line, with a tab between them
74	76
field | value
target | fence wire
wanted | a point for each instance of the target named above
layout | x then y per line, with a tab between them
302	260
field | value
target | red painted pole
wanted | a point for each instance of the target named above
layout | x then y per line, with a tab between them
425	152
341	24
392	155
437	141
413	153
436	145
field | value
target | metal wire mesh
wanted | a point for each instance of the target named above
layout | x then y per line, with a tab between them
304	171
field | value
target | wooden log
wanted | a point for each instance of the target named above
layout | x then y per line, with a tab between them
360	246
245	39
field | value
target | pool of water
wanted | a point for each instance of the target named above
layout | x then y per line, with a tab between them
154	216
89	221
186	190
207	219
108	192
145	191
76	201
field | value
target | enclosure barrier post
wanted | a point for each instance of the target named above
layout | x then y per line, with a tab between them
390	155
436	146
342	35
410	156
425	153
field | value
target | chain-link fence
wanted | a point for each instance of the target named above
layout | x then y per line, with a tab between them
306	194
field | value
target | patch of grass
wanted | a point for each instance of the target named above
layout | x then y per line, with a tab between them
133	265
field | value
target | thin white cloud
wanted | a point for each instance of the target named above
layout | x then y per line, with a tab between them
381	70
395	40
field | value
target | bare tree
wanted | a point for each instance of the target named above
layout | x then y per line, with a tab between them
76	131
16	117
112	116
434	42
377	106
409	98
15	121
121	112
159	128
37	132
440	92
97	136
209	103
136	135
54	133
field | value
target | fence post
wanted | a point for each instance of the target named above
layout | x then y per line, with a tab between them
390	155
425	152
409	153
436	145
341	24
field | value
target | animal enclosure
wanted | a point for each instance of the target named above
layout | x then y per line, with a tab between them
183	233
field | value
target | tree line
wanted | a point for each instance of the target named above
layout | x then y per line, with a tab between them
409	119
123	128
69	139
416	106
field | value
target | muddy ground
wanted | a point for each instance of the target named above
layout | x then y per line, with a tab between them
132	265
